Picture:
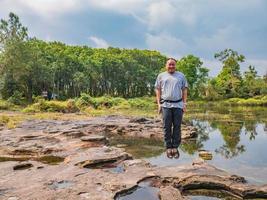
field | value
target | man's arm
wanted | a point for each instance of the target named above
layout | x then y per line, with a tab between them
184	92
184	98
184	95
158	94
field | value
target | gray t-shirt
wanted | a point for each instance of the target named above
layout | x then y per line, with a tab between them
171	87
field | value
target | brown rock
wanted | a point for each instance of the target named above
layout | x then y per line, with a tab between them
22	166
170	193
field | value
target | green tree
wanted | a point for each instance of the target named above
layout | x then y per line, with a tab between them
28	66
195	73
13	37
229	80
211	91
250	83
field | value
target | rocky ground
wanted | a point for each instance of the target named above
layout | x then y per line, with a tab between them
53	159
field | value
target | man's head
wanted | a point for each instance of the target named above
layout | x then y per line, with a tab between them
171	65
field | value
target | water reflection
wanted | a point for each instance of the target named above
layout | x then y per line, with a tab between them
230	132
236	137
203	194
144	190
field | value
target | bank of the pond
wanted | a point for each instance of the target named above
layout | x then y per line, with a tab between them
255	101
85	106
87	103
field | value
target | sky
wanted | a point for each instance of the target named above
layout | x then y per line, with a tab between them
176	28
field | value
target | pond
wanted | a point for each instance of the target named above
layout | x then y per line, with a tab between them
146	190
236	137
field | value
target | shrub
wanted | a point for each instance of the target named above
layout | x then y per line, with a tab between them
84	101
142	102
9	121
121	103
36	99
17	98
52	106
71	106
104	101
5	105
255	101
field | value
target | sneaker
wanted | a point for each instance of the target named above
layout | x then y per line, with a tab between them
175	153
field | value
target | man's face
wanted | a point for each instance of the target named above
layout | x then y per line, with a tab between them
171	66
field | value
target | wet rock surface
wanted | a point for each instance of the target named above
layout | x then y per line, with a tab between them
72	160
170	193
41	137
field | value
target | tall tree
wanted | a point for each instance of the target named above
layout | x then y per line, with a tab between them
13	37
229	79
195	73
250	82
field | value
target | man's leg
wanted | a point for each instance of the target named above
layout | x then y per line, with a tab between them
167	125
177	121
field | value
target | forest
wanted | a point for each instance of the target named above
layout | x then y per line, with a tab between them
29	66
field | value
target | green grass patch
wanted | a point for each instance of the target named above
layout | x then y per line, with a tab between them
255	101
6	105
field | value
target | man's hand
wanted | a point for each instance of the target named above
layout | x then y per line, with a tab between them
159	109
184	107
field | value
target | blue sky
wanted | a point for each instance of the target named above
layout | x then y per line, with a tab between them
173	27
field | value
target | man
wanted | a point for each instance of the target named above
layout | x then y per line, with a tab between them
171	93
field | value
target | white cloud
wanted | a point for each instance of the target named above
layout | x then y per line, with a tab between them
135	8
121	6
166	44
159	14
259	64
215	66
221	39
44	8
99	42
155	13
236	5
51	7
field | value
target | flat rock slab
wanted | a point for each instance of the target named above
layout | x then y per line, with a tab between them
68	181
79	177
97	156
42	137
170	193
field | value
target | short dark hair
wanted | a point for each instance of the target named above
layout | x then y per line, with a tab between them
171	59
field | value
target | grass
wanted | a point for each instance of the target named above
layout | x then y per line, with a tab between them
254	101
6	105
52	106
10	121
134	106
86	106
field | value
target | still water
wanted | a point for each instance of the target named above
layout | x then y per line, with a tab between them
236	137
